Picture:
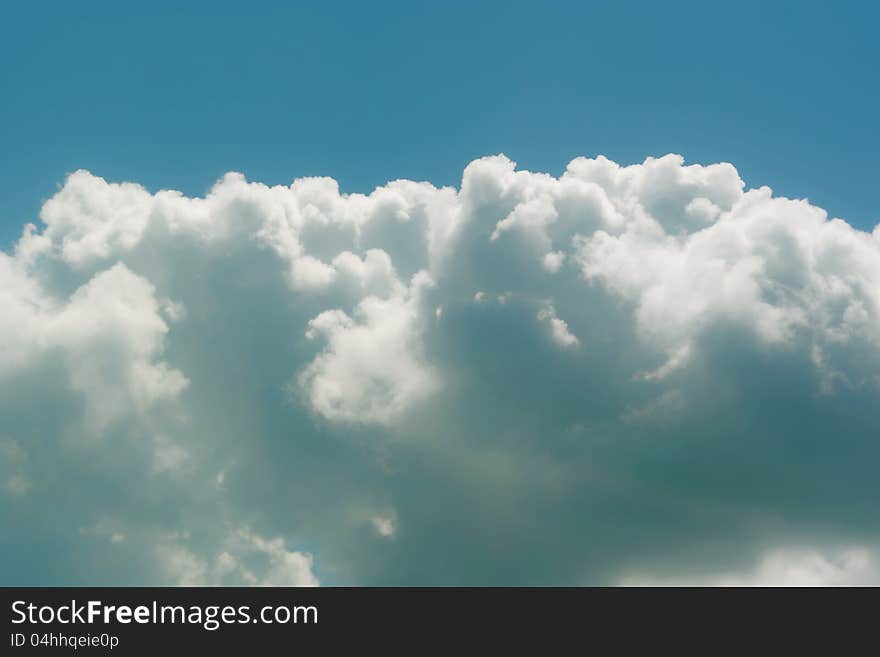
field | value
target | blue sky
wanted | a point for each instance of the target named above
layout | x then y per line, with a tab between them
175	96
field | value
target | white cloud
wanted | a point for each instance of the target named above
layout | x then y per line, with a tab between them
384	526
89	218
774	267
789	567
372	370
559	331
553	261
274	335
109	332
246	559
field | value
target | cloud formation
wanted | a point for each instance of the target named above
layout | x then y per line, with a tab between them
623	373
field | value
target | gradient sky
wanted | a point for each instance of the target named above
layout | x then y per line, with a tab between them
174	96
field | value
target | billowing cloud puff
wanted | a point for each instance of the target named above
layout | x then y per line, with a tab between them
623	374
274	564
558	328
853	566
108	333
370	371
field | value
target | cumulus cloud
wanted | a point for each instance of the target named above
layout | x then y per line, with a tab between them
371	370
525	379
246	560
558	328
109	332
852	566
